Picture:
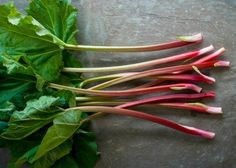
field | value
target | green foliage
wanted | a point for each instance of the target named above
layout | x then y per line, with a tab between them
11	86
64	126
6	109
59	17
85	149
47	160
33	123
36	114
23	34
65	161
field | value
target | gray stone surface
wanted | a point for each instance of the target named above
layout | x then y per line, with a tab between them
125	142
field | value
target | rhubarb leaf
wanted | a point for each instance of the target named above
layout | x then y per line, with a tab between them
13	66
10	86
59	17
85	149
3	125
36	114
52	156
65	161
6	110
64	126
67	98
23	34
19	147
47	160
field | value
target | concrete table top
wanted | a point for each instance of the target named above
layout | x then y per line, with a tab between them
126	142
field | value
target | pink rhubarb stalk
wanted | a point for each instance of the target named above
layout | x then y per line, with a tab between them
130	92
144	116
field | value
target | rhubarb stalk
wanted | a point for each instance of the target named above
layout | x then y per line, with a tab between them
144	116
130	92
174	58
183	40
161	71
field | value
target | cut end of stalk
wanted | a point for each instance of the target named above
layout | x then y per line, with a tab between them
206	50
188	86
221	50
194	38
202	133
211	94
209	109
214	110
222	64
207	78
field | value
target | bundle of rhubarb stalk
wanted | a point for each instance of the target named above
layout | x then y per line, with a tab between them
46	102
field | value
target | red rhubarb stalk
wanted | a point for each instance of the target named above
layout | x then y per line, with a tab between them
144	116
199	107
130	92
210	94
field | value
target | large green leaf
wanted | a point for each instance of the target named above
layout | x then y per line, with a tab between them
67	98
85	149
6	110
10	86
19	148
36	114
23	34
3	125
64	126
58	16
52	156
65	161
47	160
13	65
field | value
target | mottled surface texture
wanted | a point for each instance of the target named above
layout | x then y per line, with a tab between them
126	142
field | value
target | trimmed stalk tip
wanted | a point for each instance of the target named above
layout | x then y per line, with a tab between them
215	110
222	64
206	50
202	133
194	38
